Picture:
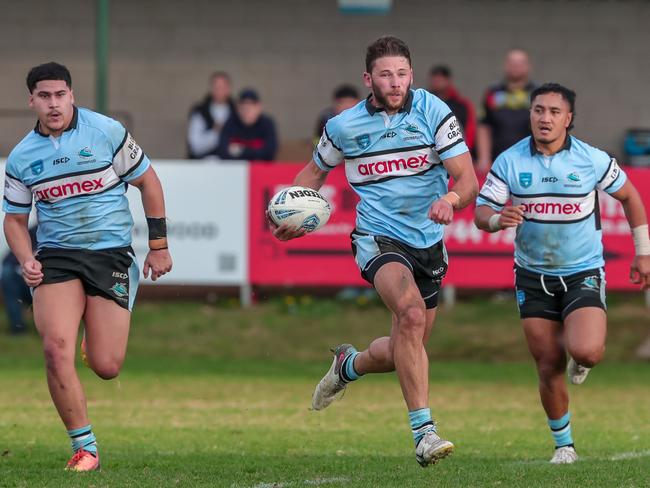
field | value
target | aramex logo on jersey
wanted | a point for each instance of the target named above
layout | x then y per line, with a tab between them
392	165
70	189
552	208
549	208
407	162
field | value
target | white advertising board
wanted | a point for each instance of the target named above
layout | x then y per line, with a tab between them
207	211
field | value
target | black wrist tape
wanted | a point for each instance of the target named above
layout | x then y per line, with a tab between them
157	228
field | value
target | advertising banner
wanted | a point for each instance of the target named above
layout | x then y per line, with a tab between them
207	210
323	258
477	259
207	216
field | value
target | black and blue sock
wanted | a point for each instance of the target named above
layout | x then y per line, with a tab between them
561	430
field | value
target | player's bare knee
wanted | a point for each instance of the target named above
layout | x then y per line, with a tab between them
107	370
588	358
412	319
550	368
56	354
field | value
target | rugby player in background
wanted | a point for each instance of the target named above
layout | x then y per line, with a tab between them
552	180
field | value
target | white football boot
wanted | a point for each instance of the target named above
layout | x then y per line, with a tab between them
577	374
332	383
432	448
564	455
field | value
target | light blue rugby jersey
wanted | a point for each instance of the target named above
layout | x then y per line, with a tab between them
561	232
77	181
394	163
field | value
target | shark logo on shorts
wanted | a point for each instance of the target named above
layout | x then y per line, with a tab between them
590	283
120	290
521	297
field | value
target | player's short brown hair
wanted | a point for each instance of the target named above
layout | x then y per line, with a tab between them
386	46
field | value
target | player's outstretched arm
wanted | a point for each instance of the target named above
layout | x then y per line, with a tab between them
461	194
158	259
17	235
310	176
636	217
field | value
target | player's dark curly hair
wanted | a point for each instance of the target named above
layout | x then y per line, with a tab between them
386	46
568	95
48	71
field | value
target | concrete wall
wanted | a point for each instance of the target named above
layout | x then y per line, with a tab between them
296	51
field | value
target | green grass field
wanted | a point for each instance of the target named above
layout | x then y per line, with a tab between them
212	395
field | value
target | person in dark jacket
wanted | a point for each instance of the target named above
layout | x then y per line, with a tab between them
249	134
441	84
344	97
505	111
208	117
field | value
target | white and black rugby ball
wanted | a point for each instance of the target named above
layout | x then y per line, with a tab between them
299	207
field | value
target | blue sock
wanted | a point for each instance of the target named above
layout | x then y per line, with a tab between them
421	423
348	373
561	430
83	438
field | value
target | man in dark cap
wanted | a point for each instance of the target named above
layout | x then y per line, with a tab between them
250	134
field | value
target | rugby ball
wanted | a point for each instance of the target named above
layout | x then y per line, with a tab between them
299	207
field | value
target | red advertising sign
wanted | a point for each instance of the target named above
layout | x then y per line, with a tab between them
323	258
477	259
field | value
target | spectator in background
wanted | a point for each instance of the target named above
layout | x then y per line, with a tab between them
16	293
504	118
249	134
442	85
344	97
208	118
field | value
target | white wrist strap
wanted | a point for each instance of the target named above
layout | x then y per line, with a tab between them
493	223
641	240
452	198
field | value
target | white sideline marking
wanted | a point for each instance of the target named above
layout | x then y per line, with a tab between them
324	481
314	482
629	455
616	457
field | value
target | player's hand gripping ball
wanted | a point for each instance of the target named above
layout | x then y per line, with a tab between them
299	207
